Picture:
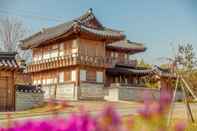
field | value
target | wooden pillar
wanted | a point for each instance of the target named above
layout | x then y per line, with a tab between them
77	85
104	78
166	85
78	76
13	91
56	85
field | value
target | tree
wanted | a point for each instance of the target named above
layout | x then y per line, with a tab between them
141	63
186	56
12	30
164	66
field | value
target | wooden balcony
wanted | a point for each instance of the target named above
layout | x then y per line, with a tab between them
111	62
72	60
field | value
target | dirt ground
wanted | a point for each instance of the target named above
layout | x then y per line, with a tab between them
124	108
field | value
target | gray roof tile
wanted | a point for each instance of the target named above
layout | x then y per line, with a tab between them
83	22
7	60
127	45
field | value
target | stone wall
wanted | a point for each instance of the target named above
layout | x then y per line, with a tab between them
137	93
91	91
65	91
134	94
49	91
27	100
68	91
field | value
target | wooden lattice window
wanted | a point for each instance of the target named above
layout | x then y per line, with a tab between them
99	77
83	75
61	77
54	51
67	48
67	75
126	56
91	75
61	49
73	75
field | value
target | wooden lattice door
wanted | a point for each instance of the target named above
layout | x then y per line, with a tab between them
4	93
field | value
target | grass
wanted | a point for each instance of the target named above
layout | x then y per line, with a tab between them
137	123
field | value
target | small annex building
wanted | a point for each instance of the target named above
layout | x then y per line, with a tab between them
16	90
8	71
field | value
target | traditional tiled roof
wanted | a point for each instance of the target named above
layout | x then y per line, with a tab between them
7	61
118	70
163	72
29	89
128	46
128	71
86	24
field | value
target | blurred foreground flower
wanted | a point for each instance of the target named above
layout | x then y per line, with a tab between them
109	120
180	126
152	118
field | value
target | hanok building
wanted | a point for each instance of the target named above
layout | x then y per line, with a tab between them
77	59
8	71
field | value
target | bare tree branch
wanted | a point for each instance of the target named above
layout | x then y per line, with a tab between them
12	30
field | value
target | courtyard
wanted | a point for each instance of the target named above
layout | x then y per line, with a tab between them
124	108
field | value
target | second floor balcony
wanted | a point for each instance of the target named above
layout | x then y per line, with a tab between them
76	59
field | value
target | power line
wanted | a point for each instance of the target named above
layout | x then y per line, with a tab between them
3	11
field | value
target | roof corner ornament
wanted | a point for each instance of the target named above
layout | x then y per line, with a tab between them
90	10
43	30
76	26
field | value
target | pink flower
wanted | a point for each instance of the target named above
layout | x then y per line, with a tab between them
180	126
165	99
109	120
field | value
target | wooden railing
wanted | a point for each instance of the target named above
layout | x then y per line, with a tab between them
74	59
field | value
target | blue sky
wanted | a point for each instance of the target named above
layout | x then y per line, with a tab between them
156	23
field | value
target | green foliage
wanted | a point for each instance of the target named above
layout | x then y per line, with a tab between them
149	81
191	78
164	66
151	84
188	62
187	56
141	63
192	127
